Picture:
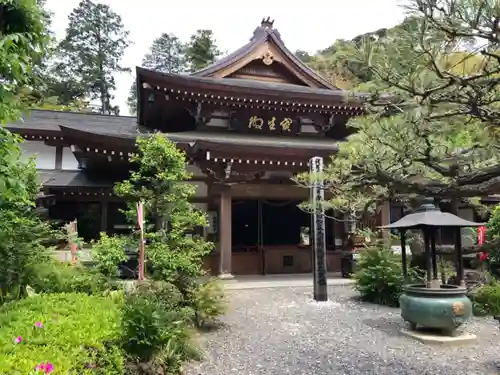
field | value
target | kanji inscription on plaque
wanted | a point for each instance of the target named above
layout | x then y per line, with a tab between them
272	124
265	122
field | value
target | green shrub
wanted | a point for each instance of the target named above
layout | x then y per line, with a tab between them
164	293
379	276
54	276
80	335
156	331
493	224
492	245
486	299
176	258
108	253
208	302
22	237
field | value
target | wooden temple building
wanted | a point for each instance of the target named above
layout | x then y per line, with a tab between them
247	123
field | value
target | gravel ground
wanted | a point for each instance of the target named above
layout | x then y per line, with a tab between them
282	331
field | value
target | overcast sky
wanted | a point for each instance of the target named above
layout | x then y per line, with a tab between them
307	25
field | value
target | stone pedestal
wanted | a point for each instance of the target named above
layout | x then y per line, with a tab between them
430	337
226	276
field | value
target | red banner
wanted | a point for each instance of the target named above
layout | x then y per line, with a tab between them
481	235
140	215
73	231
140	222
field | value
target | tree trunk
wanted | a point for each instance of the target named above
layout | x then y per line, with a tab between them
104	99
102	79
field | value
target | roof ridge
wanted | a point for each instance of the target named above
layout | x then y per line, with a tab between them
78	113
58	170
279	42
229	59
263	33
241	82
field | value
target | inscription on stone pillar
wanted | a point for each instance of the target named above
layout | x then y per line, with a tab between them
318	229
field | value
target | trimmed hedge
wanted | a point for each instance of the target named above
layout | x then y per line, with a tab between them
80	334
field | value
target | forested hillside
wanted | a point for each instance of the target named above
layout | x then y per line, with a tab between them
342	65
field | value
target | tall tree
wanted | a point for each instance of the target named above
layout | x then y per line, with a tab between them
22	40
175	253
60	88
165	55
50	86
132	99
201	50
436	133
92	49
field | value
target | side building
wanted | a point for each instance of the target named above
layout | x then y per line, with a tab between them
247	123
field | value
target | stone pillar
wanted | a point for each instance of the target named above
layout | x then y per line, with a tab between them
318	231
225	235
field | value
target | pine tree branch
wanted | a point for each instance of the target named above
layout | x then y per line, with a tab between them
479	177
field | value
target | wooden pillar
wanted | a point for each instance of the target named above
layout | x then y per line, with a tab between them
104	216
435	280
59	157
225	235
385	219
428	258
333	231
403	254
459	257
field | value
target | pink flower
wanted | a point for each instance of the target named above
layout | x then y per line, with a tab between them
483	256
39	325
45	367
18	339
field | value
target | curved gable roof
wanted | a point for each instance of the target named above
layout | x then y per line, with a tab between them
266	33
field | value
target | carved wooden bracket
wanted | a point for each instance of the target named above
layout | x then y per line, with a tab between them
213	174
224	173
201	113
322	123
246	177
217	172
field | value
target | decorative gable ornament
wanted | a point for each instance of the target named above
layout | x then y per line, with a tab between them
268	58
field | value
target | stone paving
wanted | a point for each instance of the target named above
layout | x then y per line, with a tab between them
280	281
276	331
